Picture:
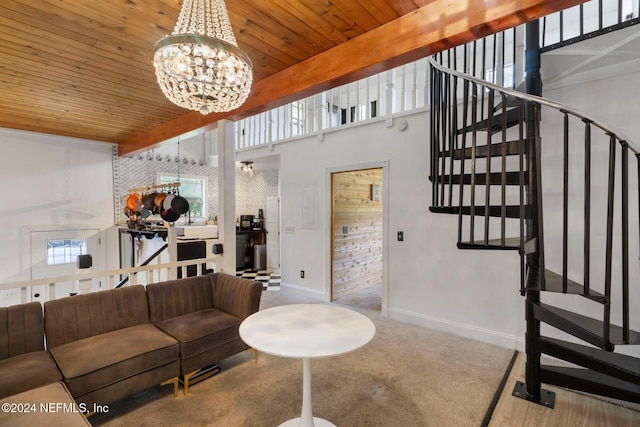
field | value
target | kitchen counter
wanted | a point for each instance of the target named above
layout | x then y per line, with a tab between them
259	231
259	237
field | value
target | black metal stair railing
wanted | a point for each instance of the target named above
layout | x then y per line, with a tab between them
500	58
454	109
586	21
487	141
478	134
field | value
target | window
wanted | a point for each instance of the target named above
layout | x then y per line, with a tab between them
297	118
333	115
194	189
65	251
372	112
507	77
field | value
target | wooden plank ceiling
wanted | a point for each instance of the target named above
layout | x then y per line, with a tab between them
83	68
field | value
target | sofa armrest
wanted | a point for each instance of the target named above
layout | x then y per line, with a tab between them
236	295
21	329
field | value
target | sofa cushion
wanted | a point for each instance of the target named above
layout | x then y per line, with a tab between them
101	360
201	331
83	316
59	408
21	329
174	298
27	371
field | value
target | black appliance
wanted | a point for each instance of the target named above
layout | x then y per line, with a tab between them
192	250
258	223
246	222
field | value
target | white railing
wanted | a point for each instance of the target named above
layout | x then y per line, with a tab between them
394	92
142	275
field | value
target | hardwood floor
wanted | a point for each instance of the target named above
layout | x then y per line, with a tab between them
571	408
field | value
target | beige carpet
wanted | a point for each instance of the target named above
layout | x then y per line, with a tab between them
406	376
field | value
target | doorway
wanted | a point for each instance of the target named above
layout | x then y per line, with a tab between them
54	253
357	237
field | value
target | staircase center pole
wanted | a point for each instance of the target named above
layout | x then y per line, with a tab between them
531	390
532	79
533	86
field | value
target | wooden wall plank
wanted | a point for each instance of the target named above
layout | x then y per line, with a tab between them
357	255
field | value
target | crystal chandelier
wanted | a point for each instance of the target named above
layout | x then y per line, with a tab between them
199	66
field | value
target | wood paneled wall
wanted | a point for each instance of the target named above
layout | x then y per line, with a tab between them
357	254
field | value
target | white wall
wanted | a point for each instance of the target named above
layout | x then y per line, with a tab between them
430	281
50	181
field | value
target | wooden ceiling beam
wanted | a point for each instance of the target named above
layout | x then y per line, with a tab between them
438	25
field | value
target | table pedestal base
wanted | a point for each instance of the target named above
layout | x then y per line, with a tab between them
317	422
319	331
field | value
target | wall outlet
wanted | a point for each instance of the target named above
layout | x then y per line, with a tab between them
400	236
302	274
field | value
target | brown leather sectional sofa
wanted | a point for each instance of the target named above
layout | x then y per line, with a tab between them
203	316
105	346
24	362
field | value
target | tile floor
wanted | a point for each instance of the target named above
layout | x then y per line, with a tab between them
270	281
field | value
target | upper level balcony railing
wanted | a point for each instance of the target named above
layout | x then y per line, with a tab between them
394	92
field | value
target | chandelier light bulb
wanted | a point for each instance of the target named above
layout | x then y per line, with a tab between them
199	66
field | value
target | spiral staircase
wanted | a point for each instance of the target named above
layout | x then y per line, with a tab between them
487	168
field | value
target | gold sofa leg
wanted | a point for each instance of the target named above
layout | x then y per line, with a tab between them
185	381
173	381
196	376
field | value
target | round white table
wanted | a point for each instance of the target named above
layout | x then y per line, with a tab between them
307	331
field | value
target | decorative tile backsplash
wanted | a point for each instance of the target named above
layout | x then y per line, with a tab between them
141	170
252	191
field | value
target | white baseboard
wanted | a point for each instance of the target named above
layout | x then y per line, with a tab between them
464	330
306	292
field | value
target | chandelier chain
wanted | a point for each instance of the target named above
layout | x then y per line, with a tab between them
205	17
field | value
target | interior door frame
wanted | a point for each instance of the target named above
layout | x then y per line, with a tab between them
273	236
99	259
385	165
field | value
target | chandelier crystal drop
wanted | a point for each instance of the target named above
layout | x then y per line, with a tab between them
199	66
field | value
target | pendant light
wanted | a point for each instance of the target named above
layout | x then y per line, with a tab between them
199	66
